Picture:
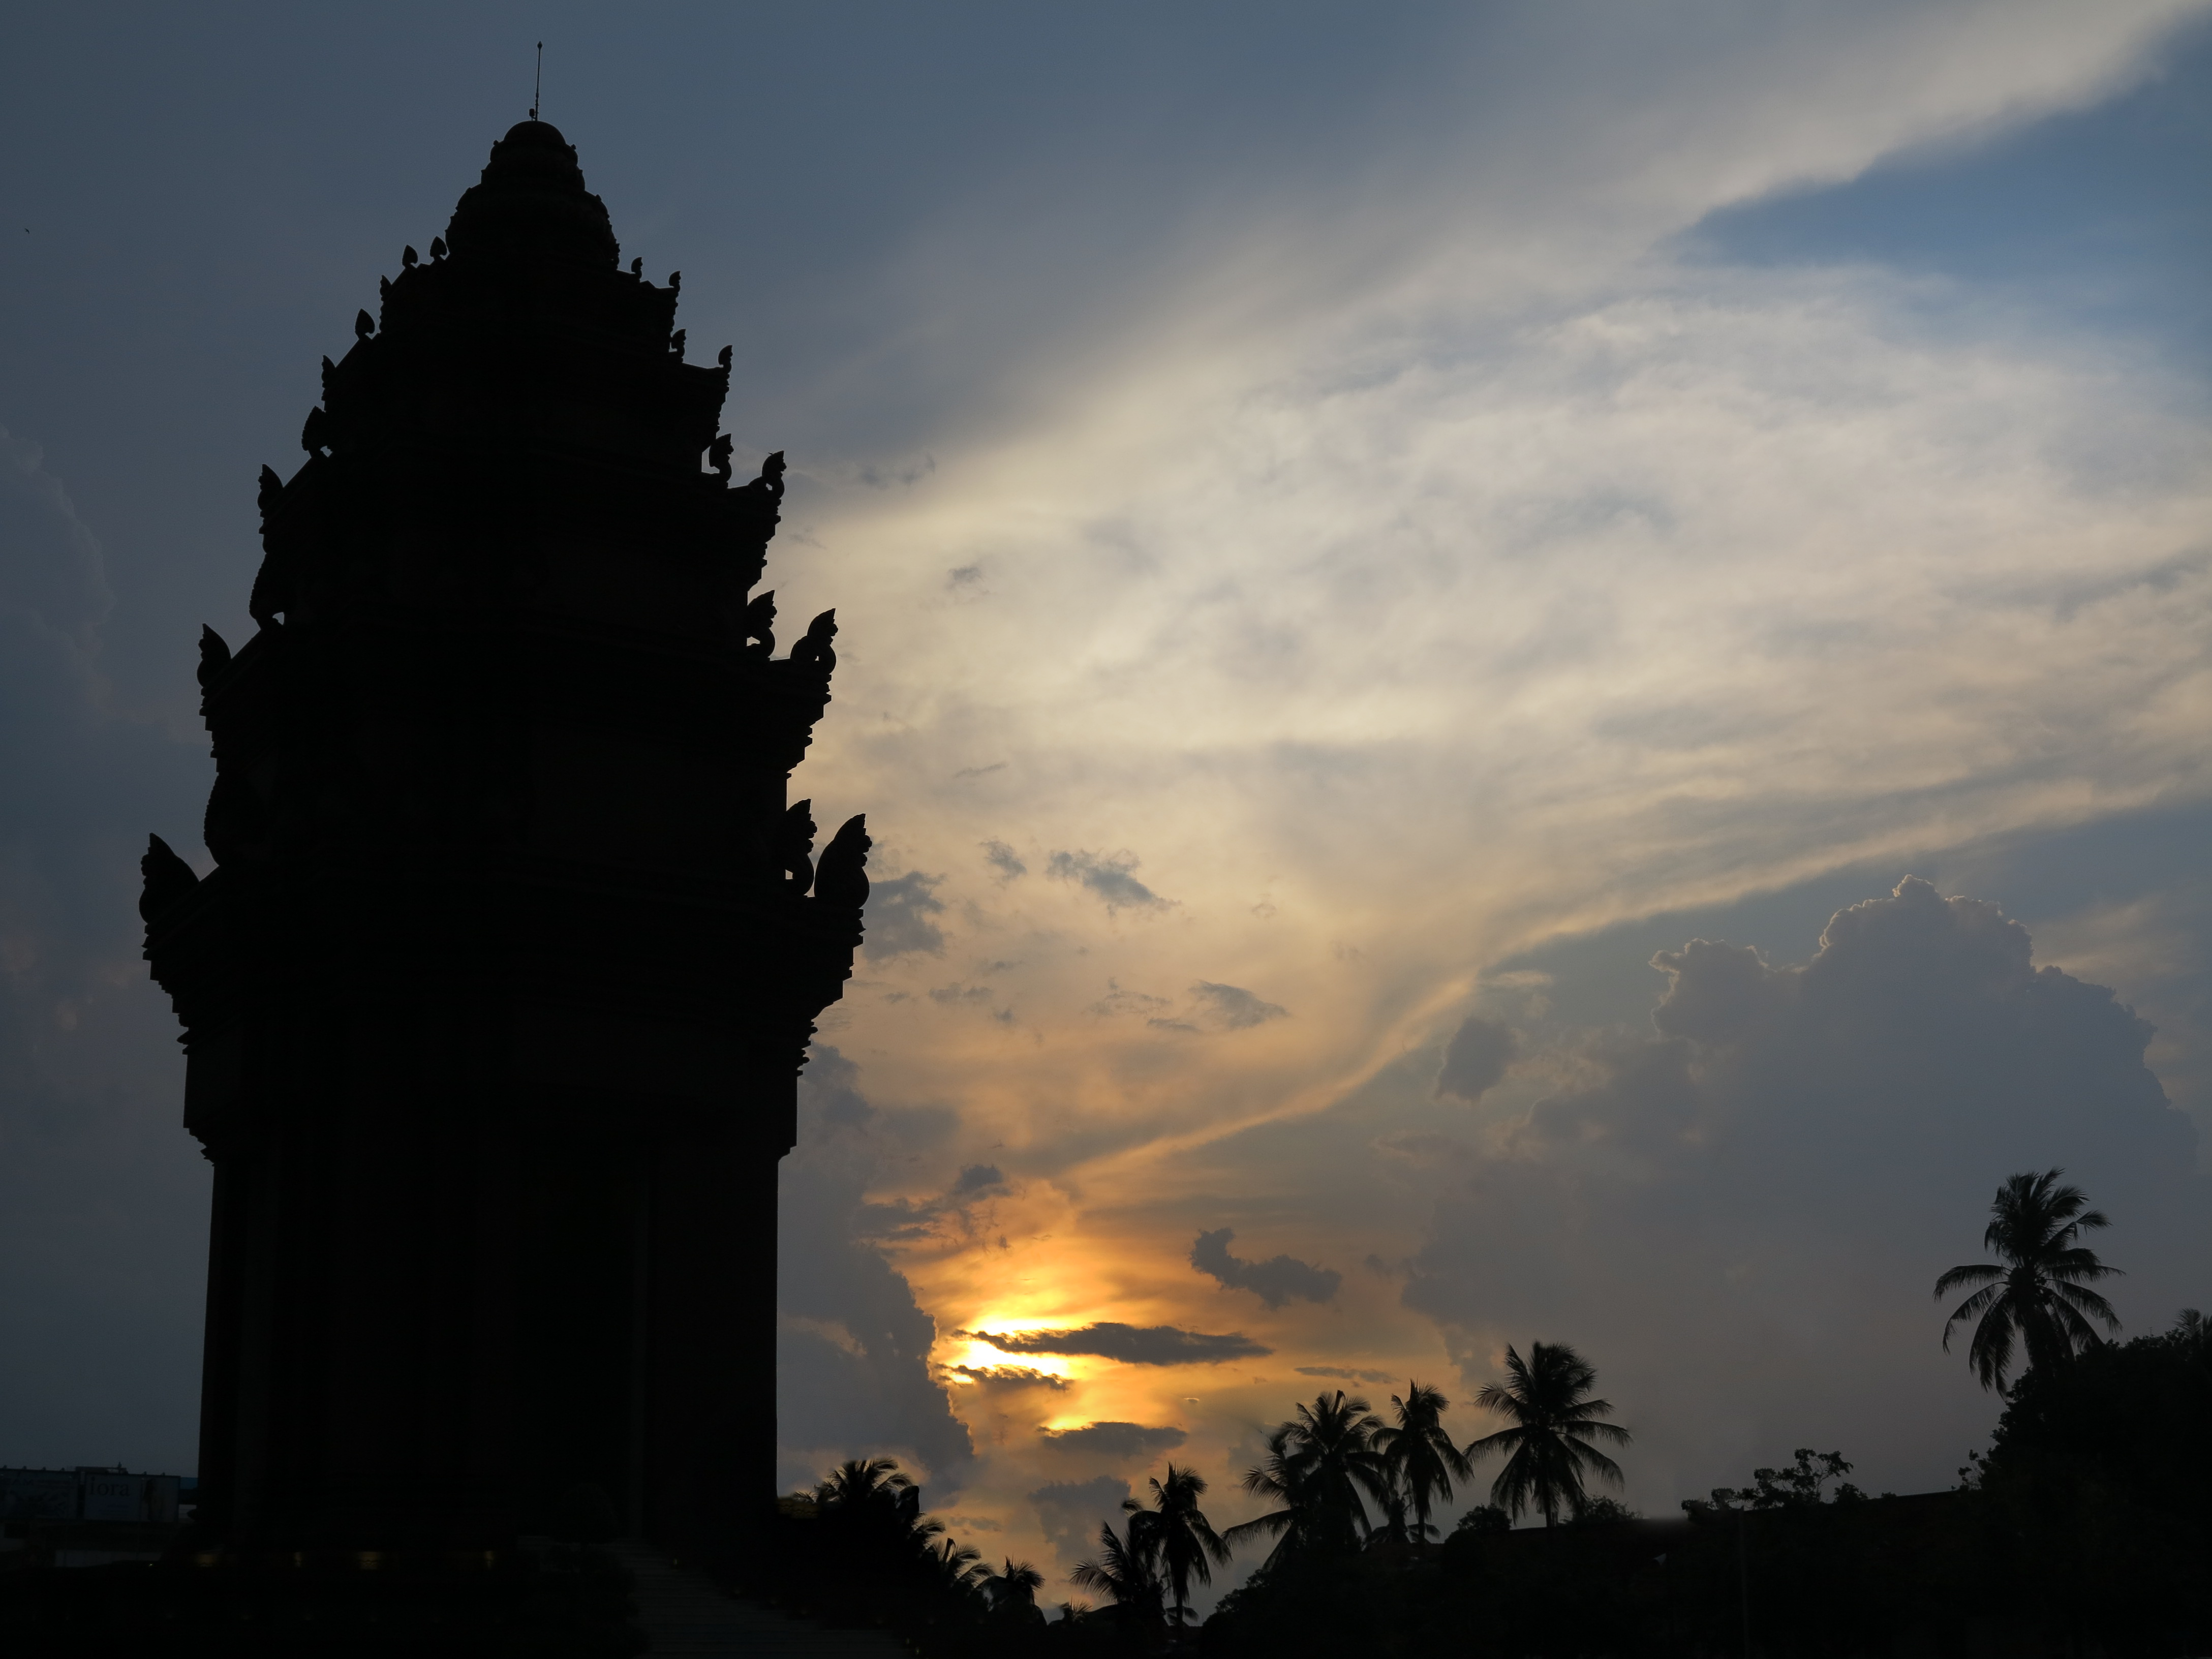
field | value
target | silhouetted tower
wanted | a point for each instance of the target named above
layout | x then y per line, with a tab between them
495	1004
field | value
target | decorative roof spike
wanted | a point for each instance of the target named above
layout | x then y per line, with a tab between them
408	256
363	325
214	654
437	249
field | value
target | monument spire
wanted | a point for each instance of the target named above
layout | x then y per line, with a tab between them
495	1004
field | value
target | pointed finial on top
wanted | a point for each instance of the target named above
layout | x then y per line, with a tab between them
538	86
363	325
437	249
408	256
675	281
723	358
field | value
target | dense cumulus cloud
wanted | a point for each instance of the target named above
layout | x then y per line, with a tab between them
1070	1512
1278	1279
1476	1058
1150	1344
1740	1217
852	1347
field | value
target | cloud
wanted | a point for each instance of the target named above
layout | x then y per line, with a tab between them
1278	1280
1072	1511
955	994
1006	1379
1344	1374
103	1196
1476	1058
1739	1216
1234	1007
1108	875
1004	860
853	1353
1133	1344
946	1218
1115	1439
53	572
898	917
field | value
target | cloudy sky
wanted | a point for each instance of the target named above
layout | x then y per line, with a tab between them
1522	672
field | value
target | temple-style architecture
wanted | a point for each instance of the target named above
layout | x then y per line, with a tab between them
496	1000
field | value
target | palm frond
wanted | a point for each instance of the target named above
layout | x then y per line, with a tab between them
1971	1272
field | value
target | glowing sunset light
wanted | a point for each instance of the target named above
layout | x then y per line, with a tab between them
1541	672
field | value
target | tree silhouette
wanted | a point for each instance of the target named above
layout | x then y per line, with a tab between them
2034	1292
1124	1575
956	1568
1176	1535
1317	1466
1548	1450
1012	1593
1421	1458
862	1485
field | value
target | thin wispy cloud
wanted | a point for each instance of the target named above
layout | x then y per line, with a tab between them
1150	1345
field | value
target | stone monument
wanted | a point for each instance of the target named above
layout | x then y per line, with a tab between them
496	1001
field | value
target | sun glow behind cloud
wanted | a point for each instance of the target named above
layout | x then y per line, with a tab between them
1321	519
1376	618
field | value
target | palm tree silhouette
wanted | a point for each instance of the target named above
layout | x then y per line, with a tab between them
1420	1456
860	1484
1316	1468
1548	1449
1124	1574
2034	1291
1013	1593
1175	1534
957	1567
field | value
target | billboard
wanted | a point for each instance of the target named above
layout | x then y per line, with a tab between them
38	1494
87	1494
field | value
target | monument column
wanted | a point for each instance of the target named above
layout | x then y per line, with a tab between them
496	1001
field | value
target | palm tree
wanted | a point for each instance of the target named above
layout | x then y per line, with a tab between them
1124	1574
1177	1535
1013	1593
1317	1465
1420	1456
2034	1290
954	1566
860	1484
1548	1447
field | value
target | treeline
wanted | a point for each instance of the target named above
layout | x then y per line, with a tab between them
2085	1529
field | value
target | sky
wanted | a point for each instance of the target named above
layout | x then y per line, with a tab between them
1522	672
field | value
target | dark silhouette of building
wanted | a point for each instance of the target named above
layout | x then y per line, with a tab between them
496	1000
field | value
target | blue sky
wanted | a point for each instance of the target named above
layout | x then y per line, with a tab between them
1343	524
